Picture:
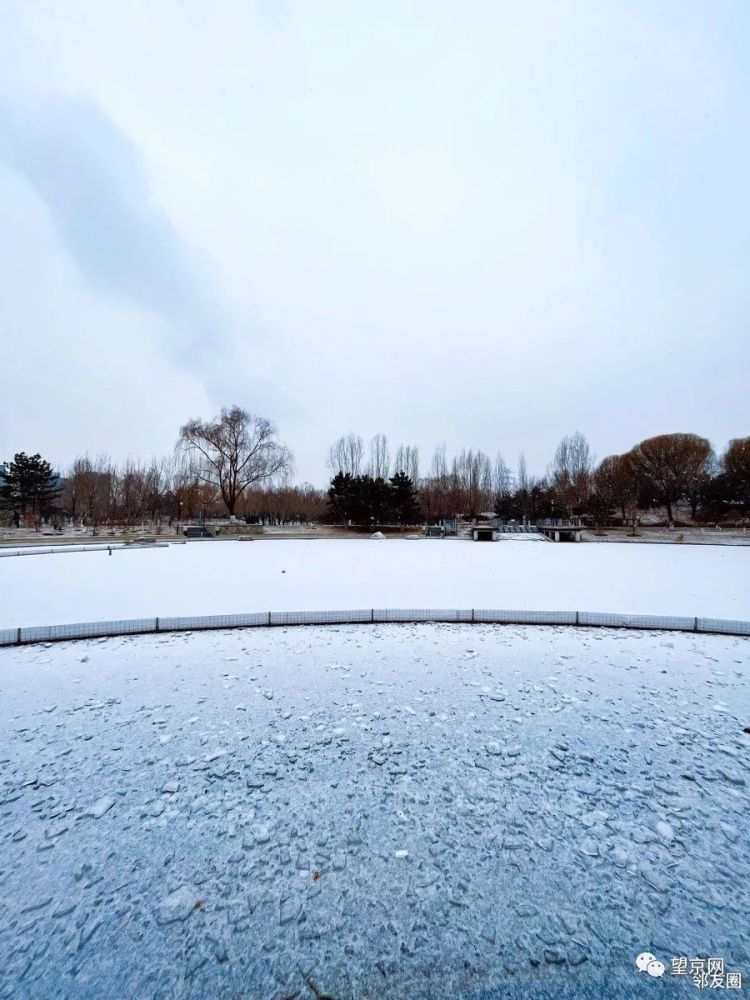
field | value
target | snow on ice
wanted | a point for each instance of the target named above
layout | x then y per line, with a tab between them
286	575
385	826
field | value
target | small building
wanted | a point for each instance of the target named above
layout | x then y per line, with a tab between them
484	533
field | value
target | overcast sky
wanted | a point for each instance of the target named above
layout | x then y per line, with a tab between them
487	224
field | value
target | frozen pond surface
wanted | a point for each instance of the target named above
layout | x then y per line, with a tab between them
204	578
373	811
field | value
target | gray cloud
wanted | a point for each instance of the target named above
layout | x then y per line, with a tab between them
91	179
487	231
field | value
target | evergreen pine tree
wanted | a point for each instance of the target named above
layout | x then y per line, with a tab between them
341	497
507	506
381	501
30	486
404	502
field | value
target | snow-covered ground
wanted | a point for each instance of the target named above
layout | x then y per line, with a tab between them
371	811
225	577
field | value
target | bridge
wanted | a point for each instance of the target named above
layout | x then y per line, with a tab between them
559	529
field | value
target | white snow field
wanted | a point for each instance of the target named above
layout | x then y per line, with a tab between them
227	577
392	812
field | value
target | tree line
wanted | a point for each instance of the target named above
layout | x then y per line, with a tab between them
660	472
235	465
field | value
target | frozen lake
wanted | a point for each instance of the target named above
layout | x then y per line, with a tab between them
226	577
371	811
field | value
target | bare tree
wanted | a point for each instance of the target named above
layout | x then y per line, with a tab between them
72	495
313	503
156	484
142	490
735	461
616	482
670	464
345	455
189	494
132	491
436	489
407	460
234	451
502	477
439	464
473	474
735	466
699	483
571	470
523	480
523	486
90	490
380	460
284	504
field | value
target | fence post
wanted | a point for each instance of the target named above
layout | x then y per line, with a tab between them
577	619
695	624
157	624
372	615
472	614
269	617
18	636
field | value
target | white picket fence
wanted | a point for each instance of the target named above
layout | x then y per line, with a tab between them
260	619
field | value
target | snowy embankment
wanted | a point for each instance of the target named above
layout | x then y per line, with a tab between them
228	577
